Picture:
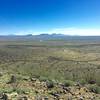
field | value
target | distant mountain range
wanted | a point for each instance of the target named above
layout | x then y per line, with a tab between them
32	37
46	36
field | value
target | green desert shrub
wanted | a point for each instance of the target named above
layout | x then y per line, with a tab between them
42	78
6	90
82	82
49	84
23	90
94	88
68	83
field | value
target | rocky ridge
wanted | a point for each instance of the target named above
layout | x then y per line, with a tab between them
14	88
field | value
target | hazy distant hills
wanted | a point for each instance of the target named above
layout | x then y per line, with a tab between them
43	37
32	37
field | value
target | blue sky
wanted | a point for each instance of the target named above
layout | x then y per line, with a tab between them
73	17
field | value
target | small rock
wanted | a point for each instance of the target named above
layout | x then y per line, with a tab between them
33	79
81	98
69	98
55	94
46	98
23	98
38	98
92	82
3	96
66	88
12	80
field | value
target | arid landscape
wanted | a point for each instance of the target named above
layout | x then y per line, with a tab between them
49	49
50	69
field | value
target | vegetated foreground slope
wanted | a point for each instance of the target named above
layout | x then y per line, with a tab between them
50	69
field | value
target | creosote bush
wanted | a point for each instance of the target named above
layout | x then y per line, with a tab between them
94	88
68	83
49	84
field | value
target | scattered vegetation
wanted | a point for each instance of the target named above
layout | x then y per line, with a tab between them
68	83
49	62
94	88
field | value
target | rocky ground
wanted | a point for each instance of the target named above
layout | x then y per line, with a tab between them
26	88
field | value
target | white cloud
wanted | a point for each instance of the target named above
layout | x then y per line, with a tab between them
76	31
24	32
66	31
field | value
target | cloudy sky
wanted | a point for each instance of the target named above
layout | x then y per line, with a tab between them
71	17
